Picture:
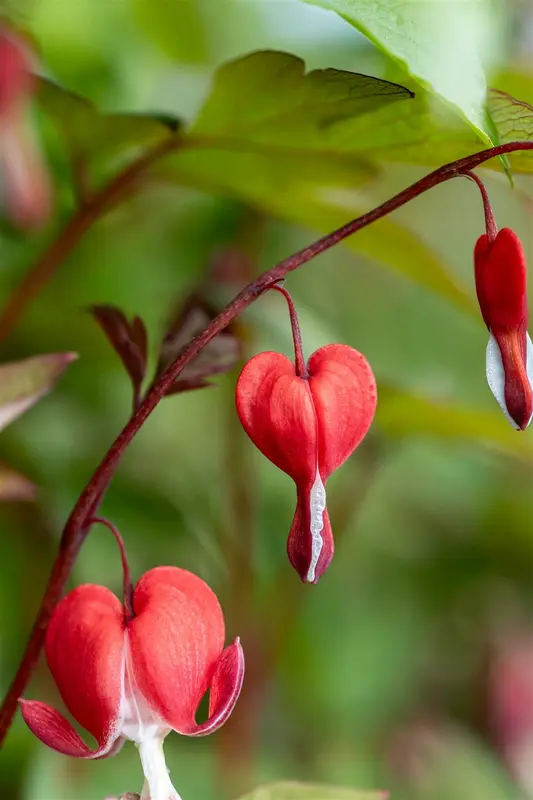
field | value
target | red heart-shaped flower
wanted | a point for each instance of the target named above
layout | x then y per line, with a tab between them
308	426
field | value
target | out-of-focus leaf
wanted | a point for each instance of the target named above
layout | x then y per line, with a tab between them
221	355
386	242
308	791
14	486
314	141
129	339
23	383
88	132
178	28
402	413
438	43
267	98
514	121
301	200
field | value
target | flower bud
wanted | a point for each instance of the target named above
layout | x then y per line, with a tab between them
500	272
23	176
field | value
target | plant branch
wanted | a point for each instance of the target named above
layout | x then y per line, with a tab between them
89	212
75	528
490	222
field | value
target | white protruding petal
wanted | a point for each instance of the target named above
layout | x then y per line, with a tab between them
157	784
318	506
496	373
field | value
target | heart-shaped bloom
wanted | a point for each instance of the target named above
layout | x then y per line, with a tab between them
308	424
23	174
138	678
500	271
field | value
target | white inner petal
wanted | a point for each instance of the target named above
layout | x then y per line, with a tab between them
142	725
318	506
157	785
496	373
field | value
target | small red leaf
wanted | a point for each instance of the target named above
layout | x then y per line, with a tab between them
221	355
129	339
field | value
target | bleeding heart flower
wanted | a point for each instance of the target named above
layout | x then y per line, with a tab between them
500	271
27	189
138	676
307	419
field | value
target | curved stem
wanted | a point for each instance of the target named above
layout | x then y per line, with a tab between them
72	536
127	582
490	222
301	367
49	262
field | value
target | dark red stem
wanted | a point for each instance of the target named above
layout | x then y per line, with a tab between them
490	222
74	531
299	360
127	582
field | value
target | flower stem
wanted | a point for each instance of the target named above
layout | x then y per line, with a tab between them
299	360
490	223
73	532
127	582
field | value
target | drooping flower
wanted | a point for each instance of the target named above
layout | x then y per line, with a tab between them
307	419
138	675
23	176
500	272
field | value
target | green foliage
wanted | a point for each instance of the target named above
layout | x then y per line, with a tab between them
89	134
23	383
179	30
306	791
419	36
267	98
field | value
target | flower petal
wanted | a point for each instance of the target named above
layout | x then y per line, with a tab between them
345	397
500	271
176	639
510	376
54	730
310	546
85	652
276	410
225	688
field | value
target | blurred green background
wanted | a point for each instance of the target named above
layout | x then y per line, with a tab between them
380	676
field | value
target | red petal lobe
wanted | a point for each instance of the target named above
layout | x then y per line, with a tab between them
224	691
85	649
345	397
276	410
55	731
500	271
176	639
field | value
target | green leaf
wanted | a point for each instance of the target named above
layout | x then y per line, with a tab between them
23	383
514	122
308	791
438	43
90	133
178	28
299	196
266	98
402	413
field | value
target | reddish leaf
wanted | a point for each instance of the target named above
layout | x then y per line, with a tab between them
14	486
221	355
129	339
